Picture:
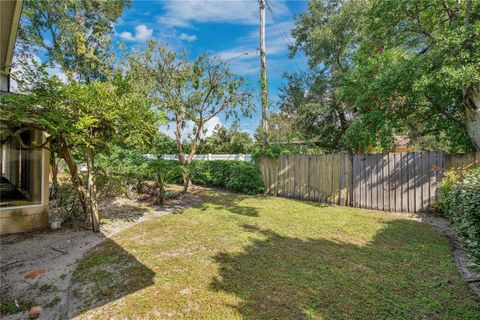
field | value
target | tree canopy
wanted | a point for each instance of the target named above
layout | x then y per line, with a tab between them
384	68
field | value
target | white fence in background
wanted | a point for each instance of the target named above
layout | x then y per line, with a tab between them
213	157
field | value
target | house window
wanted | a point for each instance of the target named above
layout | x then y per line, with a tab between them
22	170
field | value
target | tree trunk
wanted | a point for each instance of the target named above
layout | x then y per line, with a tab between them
92	190
472	104
72	167
54	167
161	195
186	182
472	94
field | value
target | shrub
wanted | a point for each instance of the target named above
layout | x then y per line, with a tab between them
459	200
245	178
234	175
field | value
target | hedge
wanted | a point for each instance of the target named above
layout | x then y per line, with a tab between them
459	201
234	175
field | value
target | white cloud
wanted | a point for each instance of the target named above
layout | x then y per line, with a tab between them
278	37
187	37
172	21
125	35
142	33
183	13
169	128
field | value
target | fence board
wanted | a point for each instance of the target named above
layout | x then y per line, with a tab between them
462	161
425	181
374	181
385	187
404	182
317	178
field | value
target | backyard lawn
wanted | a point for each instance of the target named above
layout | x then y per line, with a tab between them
255	257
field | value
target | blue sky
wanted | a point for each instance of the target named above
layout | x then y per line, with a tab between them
225	28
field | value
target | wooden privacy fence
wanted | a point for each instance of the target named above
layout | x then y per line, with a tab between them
402	182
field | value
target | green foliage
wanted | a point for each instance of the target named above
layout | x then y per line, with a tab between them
224	140
379	69
281	129
195	91
164	171
10	307
459	199
234	175
245	178
74	35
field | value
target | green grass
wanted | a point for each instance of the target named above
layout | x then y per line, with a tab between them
247	257
10	307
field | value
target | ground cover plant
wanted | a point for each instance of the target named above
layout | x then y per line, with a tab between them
256	257
459	200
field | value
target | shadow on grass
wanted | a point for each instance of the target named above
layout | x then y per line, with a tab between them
401	274
105	275
119	209
221	200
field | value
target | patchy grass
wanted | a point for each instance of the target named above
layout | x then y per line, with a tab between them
46	287
54	302
254	257
19	305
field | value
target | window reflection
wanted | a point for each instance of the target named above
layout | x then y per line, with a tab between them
21	167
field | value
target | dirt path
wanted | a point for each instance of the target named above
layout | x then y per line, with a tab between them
52	256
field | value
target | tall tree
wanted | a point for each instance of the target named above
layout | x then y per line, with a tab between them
73	35
328	34
283	129
388	68
414	64
195	91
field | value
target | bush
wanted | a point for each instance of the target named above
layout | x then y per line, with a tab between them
125	167
459	201
233	175
245	178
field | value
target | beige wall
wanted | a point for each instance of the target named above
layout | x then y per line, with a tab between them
27	218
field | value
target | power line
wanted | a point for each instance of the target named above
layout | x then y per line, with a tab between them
240	55
284	35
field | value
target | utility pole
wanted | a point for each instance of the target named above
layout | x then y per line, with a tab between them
263	74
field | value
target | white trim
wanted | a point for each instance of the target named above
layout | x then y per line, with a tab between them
41	204
212	157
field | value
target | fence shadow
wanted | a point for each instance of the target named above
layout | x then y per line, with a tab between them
280	277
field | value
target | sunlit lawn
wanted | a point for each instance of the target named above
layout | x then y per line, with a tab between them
244	257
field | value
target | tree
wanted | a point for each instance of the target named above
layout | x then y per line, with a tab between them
224	140
71	34
434	49
282	129
195	91
306	100
388	68
328	34
85	117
